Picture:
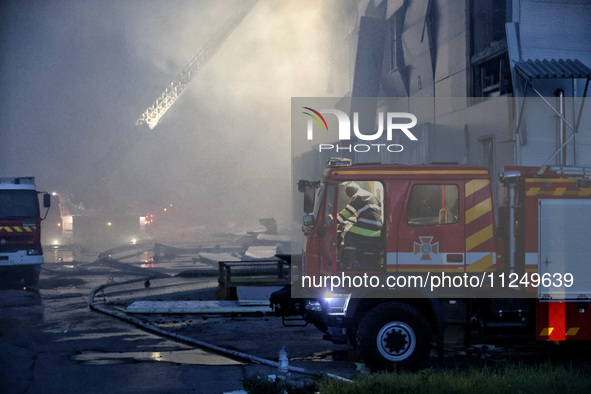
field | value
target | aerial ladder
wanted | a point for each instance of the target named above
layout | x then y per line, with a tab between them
168	97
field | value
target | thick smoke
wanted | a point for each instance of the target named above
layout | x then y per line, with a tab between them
78	75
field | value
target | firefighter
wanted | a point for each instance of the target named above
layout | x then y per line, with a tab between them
364	213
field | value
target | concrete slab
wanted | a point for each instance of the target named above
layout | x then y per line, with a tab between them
274	238
261	252
196	307
255	295
216	257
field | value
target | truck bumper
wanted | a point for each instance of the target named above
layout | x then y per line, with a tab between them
568	320
20	257
334	326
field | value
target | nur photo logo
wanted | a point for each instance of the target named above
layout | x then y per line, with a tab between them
390	122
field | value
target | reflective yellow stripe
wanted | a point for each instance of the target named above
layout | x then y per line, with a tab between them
572	331
546	331
475	185
553	180
479	237
481	265
18	229
559	191
478	210
345	214
365	232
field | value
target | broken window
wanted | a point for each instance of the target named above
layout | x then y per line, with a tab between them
491	74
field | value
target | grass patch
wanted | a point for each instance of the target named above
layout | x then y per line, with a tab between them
543	378
261	385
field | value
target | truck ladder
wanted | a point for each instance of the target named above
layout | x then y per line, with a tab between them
152	115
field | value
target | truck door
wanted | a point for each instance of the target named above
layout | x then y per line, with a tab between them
432	230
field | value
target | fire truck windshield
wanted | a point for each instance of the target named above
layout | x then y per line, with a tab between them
17	204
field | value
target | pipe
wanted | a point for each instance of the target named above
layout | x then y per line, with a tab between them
512	242
192	341
561	136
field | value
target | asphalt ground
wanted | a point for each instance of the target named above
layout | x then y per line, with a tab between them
263	335
52	342
258	334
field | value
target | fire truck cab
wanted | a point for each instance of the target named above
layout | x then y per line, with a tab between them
438	223
21	254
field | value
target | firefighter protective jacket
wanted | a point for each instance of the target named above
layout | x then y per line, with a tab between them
365	207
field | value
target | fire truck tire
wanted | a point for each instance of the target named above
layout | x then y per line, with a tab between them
393	336
31	275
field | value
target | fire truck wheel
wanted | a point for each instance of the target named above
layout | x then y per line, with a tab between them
393	336
31	276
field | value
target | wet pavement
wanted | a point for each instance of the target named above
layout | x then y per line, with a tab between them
53	343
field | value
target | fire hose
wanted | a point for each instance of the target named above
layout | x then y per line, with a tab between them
193	341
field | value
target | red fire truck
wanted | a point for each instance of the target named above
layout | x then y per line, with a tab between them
445	263
21	254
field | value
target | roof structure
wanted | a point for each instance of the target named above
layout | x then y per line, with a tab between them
553	68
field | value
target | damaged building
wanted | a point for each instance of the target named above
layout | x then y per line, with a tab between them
492	83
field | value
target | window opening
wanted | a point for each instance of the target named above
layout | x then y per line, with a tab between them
432	205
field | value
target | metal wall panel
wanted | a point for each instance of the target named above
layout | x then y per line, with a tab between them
539	128
583	138
563	237
417	49
557	29
393	6
416	11
370	53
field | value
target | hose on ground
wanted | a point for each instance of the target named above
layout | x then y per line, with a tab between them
193	341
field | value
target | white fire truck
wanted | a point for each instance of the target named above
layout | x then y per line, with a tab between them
443	263
21	254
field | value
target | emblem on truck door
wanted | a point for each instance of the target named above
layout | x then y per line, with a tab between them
426	247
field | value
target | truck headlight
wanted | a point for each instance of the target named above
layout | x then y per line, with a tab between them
34	251
336	304
313	305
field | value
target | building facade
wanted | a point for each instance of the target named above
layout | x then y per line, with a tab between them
492	83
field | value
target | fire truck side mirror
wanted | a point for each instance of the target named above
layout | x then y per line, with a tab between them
46	200
309	199
308	223
309	190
